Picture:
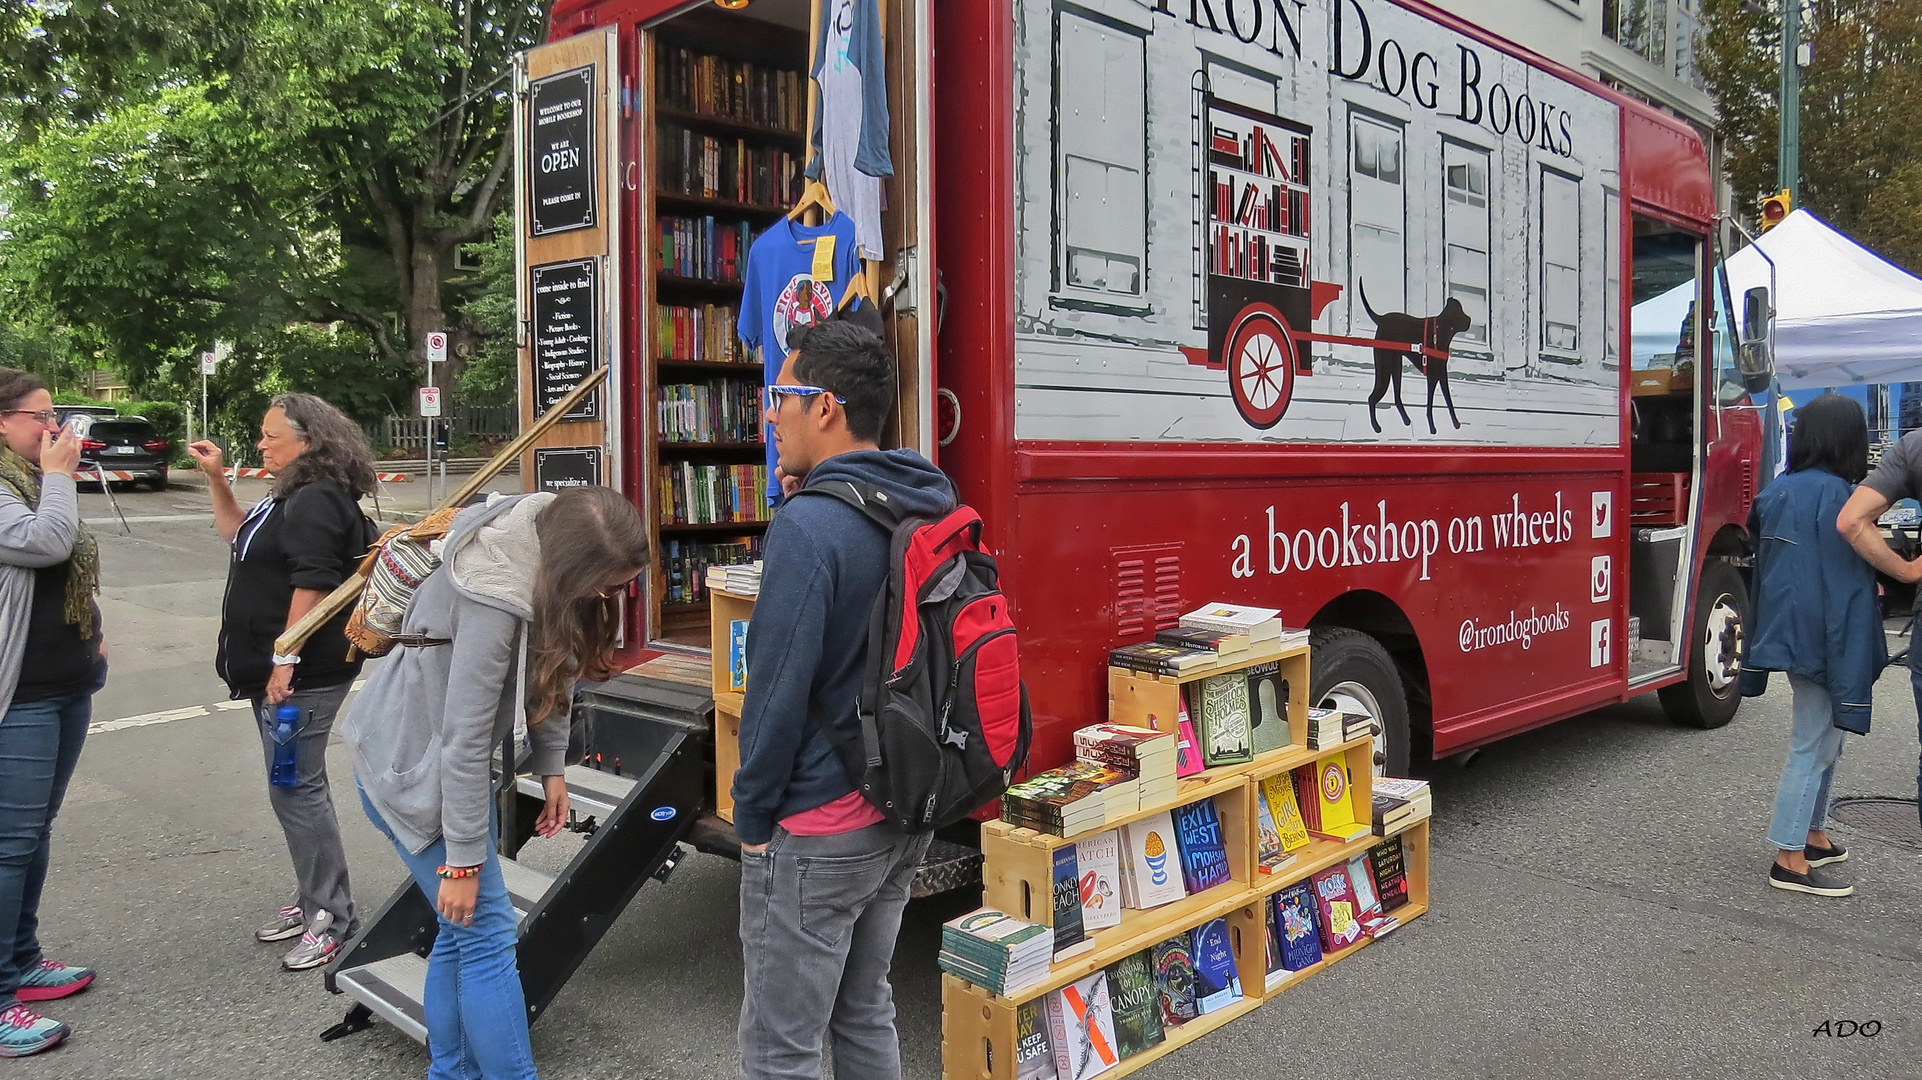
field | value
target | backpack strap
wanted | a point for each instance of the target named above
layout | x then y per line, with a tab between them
872	503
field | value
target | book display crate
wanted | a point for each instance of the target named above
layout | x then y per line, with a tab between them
979	1027
726	608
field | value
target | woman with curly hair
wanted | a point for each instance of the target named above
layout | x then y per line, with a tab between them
292	549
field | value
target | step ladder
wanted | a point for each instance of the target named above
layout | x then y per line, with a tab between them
635	820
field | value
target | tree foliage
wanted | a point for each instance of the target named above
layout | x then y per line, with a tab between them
294	176
1861	133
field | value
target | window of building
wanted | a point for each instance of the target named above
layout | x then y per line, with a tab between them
1377	215
1561	248
1465	231
1101	156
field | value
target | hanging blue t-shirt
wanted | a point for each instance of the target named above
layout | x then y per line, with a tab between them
779	294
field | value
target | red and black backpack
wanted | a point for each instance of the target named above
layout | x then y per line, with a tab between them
944	715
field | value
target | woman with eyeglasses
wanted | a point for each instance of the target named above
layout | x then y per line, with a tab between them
52	661
525	603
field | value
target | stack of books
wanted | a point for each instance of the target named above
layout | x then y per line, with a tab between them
1145	752
1329	728
1399	803
1160	658
996	951
1073	799
743	579
1262	627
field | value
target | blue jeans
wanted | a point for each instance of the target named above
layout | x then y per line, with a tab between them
1802	798
39	747
476	1014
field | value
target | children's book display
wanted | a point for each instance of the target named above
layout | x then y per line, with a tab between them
1185	867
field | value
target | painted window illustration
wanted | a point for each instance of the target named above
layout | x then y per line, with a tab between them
1378	216
1101	157
1561	246
1465	230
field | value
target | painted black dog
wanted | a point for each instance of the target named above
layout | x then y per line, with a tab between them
1434	335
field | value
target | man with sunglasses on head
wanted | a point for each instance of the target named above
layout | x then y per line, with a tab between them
824	878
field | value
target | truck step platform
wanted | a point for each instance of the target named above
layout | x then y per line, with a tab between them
634	821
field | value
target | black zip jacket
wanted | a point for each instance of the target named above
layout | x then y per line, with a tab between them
310	539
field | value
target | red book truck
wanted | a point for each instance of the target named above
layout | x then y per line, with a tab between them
1323	306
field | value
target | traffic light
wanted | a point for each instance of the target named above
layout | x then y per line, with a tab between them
1775	208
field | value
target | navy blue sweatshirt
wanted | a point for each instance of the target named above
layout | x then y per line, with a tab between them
823	567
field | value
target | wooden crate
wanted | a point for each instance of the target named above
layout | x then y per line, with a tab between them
1154	701
728	702
724	608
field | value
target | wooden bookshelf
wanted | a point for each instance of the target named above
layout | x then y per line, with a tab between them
727	608
733	38
978	1027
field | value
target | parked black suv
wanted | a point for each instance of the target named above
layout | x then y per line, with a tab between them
126	444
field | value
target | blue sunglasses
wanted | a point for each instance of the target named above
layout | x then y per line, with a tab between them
778	390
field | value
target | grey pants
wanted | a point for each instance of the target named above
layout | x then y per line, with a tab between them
819	915
306	810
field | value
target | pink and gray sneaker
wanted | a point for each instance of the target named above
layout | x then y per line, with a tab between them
23	1032
52	979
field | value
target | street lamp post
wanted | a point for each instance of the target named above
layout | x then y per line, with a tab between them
1789	153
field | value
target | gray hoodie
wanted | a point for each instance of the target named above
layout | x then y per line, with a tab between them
427	726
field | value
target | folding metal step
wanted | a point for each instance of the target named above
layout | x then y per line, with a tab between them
634	822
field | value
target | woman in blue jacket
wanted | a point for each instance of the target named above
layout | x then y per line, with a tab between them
1815	617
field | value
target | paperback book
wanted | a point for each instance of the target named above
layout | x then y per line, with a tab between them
1269	856
995	950
1258	623
1224	720
1267	707
1033	1056
1175	980
1081	1028
1204	853
1150	863
1187	746
1278	794
1069	937
737	656
1217	985
1335	909
1137	1012
1295	917
1391	875
1098	860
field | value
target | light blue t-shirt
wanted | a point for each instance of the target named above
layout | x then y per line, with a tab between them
779	294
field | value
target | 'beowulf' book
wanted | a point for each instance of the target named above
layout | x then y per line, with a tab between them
1204	853
1069	938
1217	985
1295	915
1267	706
1279	793
1098	858
1033	1056
1224	720
1081	1028
1336	913
1175	980
1137	1013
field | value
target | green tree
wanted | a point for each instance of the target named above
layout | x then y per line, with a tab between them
1861	134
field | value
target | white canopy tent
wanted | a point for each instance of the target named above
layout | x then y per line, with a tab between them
1843	315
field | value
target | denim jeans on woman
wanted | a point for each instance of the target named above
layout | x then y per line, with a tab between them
475	1011
39	747
1802	798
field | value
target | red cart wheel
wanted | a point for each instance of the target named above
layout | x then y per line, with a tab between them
1261	365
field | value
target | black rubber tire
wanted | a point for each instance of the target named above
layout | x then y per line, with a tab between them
1350	656
1695	703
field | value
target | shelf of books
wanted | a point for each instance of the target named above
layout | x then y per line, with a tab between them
731	599
727	123
1174	876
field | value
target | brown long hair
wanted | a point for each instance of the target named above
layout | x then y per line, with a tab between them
15	385
585	533
337	448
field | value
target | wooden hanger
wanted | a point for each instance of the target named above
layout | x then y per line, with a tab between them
857	286
814	196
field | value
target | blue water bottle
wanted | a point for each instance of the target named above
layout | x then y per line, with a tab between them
286	733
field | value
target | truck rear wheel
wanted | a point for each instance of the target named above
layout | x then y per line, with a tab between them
1710	696
1353	673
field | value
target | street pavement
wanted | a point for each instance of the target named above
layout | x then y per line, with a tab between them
1600	907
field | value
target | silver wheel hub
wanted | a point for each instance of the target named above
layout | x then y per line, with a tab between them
1352	698
1722	645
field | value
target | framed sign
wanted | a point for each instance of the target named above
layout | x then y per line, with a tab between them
561	126
566	333
560	468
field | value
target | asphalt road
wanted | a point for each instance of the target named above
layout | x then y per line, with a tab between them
1600	906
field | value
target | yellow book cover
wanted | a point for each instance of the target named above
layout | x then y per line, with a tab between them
1337	799
1280	794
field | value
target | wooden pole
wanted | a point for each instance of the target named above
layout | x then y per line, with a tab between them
349	590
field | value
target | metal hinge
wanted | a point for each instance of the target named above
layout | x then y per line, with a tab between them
904	272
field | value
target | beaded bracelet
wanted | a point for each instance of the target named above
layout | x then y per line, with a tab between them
459	871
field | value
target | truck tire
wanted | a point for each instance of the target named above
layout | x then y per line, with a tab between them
1351	671
1711	695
